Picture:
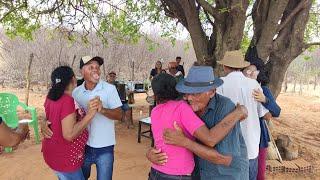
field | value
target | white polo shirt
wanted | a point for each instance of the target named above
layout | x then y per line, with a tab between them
101	129
239	89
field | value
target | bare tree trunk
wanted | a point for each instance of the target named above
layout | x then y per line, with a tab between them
301	86
286	82
293	16
73	60
104	70
277	74
132	75
28	78
315	82
294	85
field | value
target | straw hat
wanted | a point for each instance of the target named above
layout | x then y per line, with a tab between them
234	59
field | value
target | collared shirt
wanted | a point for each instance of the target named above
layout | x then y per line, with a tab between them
233	144
101	129
239	89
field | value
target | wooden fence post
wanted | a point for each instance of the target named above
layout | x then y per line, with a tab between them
28	78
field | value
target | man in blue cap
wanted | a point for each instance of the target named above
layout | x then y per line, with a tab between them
199	88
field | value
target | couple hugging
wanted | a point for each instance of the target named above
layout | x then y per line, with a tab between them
198	137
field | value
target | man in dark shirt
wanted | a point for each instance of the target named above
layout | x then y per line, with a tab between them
180	67
126	110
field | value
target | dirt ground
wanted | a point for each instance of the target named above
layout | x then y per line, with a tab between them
300	118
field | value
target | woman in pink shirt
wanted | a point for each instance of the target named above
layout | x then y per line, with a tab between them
180	163
64	151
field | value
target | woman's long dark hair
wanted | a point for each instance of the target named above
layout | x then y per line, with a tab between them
61	77
155	66
164	88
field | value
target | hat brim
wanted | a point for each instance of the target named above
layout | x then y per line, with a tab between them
182	88
242	65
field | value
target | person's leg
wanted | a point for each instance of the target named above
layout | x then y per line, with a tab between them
253	169
262	163
76	175
88	161
104	162
123	114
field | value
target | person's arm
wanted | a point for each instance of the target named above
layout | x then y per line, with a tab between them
113	102
114	114
207	153
9	137
182	70
200	150
218	132
45	129
271	103
156	156
71	129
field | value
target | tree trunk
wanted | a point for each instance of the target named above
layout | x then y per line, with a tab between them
294	85
73	60
301	86
279	28
315	82
288	44
28	78
277	74
286	82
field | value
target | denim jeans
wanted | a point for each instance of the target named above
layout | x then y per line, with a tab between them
253	168
157	175
103	159
76	175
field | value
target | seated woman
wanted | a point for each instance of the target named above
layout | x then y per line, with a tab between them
64	151
180	163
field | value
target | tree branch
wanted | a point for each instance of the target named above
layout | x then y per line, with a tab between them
210	9
300	6
56	5
208	17
12	9
307	45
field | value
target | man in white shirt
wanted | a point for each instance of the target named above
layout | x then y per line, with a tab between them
239	89
100	145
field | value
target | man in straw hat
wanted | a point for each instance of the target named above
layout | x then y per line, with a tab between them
199	88
239	89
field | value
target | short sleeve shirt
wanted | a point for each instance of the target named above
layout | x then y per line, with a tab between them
101	129
180	160
58	153
239	89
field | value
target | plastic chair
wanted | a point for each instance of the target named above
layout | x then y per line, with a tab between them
8	112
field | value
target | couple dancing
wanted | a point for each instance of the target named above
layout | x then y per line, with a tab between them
80	128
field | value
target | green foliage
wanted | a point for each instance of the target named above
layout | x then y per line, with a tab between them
313	25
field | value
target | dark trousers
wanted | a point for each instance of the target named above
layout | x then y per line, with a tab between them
157	175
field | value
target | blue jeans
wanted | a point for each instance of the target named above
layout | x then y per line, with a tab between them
125	107
103	159
253	169
76	175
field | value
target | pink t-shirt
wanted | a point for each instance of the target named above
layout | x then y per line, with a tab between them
58	153
180	160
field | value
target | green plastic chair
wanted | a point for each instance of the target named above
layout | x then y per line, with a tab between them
8	112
